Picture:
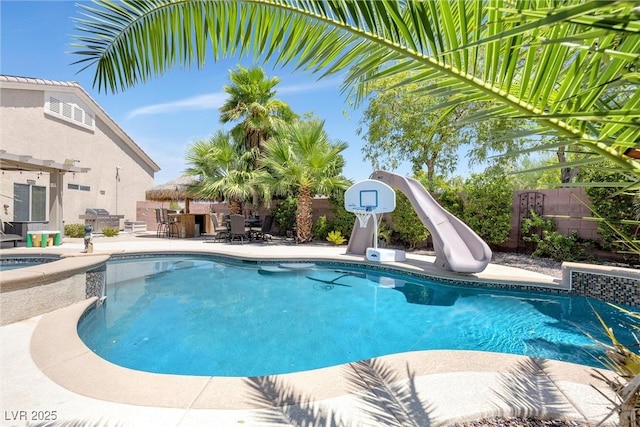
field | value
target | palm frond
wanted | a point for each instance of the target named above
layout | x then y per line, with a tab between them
561	65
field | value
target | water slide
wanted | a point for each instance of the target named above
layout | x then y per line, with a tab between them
458	248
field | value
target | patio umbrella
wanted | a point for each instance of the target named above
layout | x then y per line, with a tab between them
176	189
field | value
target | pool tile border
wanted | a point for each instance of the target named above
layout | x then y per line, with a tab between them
394	268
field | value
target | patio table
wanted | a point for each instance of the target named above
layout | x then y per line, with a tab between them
248	222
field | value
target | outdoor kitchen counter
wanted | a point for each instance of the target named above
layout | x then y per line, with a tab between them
187	223
99	219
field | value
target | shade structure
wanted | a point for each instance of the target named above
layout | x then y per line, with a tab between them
176	189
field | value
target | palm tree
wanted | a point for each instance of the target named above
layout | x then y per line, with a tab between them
300	159
569	66
251	101
225	170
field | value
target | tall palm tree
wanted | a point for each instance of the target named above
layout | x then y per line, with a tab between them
571	66
300	159
225	170
251	101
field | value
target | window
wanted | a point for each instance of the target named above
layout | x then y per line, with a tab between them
68	107
30	203
79	187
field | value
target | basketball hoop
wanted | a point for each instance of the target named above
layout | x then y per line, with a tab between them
363	217
367	198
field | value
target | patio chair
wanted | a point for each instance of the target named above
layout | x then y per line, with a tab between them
265	229
290	236
219	232
9	237
237	230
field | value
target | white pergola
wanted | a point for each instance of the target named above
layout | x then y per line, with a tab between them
21	162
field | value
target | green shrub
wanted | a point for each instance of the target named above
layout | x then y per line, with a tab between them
336	238
74	230
110	231
487	206
284	214
451	199
341	220
384	233
482	201
615	206
407	224
320	228
553	244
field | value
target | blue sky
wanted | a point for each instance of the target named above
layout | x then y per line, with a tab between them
168	113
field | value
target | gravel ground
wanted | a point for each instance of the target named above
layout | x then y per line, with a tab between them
520	422
527	262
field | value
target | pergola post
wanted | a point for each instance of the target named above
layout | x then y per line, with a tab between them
55	201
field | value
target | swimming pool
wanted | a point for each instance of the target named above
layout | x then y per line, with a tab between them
14	263
198	316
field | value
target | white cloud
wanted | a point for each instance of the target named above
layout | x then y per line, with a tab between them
213	101
308	87
210	101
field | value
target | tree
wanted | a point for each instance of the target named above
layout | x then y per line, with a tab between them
537	176
557	64
300	159
251	101
401	124
225	170
567	173
399	127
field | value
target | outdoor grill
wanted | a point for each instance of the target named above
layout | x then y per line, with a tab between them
100	219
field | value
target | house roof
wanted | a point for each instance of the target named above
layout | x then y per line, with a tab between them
30	83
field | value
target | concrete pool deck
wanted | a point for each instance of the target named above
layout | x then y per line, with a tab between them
45	368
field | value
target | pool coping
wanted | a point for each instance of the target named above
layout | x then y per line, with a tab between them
60	354
421	265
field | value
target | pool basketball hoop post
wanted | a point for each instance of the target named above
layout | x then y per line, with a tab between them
363	216
366	199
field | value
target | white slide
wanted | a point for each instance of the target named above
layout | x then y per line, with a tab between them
458	248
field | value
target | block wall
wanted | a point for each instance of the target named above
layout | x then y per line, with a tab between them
566	206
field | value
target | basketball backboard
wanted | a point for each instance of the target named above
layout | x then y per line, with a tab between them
371	196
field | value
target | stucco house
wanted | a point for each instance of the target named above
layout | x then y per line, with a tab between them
61	153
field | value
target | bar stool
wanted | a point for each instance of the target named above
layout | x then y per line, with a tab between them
171	225
161	230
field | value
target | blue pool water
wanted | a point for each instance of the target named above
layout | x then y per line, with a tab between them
13	263
194	316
